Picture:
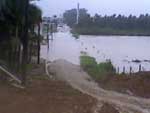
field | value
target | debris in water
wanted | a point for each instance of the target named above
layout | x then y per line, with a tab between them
83	53
147	61
137	61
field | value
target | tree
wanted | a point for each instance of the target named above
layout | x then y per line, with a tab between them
17	18
35	18
108	25
70	17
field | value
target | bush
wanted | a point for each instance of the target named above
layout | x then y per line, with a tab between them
106	67
97	71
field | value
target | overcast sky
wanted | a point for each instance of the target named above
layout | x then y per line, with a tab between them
108	7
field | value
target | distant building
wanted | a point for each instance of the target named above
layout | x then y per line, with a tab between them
49	23
46	20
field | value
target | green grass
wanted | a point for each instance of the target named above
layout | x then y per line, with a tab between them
97	71
75	34
38	77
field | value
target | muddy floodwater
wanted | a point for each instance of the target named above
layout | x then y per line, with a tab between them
123	51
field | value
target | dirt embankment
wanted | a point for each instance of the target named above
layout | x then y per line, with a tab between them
80	80
44	96
137	84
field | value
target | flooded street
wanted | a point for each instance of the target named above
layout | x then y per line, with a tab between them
123	51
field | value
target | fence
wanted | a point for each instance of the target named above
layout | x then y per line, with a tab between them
130	71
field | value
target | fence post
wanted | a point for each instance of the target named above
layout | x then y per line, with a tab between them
124	70
140	67
143	69
118	70
130	70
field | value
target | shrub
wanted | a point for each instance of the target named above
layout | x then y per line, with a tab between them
97	71
106	67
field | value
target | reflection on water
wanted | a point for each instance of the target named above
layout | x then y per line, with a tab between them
120	49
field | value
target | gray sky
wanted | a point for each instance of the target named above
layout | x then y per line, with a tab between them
126	7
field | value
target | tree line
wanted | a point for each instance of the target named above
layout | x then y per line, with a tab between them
108	25
19	35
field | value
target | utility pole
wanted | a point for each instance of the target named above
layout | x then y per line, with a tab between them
48	34
51	29
78	13
39	48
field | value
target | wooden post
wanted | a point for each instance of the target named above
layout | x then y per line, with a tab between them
124	70
118	70
25	43
140	68
143	69
130	70
48	35
51	29
38	43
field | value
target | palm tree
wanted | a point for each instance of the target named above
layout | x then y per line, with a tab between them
16	19
35	18
33	15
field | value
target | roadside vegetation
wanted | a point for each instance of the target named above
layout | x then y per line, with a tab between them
97	71
107	25
75	34
104	74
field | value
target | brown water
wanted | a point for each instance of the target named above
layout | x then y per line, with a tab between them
121	50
